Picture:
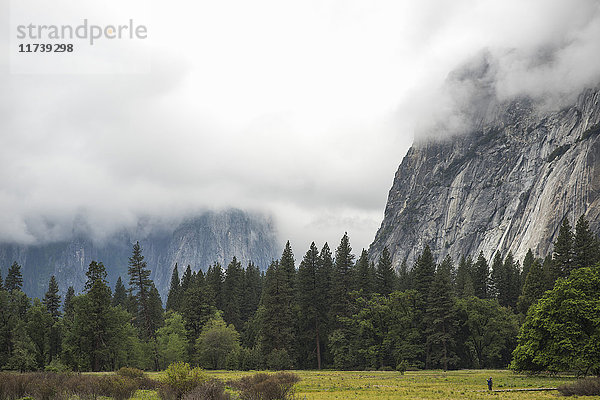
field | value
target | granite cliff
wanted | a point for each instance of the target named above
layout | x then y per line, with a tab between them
198	241
505	185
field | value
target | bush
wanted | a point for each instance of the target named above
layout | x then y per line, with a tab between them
117	387
262	386
212	389
132	373
53	386
56	366
180	379
582	387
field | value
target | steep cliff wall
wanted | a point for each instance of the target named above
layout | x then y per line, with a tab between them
198	241
505	185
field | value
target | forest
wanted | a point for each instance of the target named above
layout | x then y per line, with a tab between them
328	310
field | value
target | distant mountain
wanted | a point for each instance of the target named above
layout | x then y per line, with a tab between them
198	241
503	186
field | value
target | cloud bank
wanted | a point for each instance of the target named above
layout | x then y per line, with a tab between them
302	110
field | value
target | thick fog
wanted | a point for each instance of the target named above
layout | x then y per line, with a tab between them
302	110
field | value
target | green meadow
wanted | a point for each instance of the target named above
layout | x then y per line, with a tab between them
383	385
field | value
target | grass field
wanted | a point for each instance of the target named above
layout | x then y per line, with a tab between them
359	385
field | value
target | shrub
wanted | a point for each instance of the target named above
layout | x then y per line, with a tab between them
262	386
132	373
56	366
212	389
117	387
582	387
180	379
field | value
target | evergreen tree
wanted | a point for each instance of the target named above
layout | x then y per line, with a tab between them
186	279
481	278
527	263
39	323
563	252
173	298
277	319
52	299
14	279
498	284
585	245
139	281
252	289
535	285
439	319
288	267
311	313
323	299
385	274
95	312
464	280
68	304
513	281
155	307
1	281
424	272
120	295
364	278
341	279
214	279
197	309
404	281
233	294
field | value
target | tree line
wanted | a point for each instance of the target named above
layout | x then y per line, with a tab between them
329	310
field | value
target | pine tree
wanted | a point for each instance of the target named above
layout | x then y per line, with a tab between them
323	299
14	279
341	279
288	267
1	281
120	295
563	252
385	274
311	316
404	281
424	272
364	275
534	287
252	288
439	319
95	311
173	298
277	319
481	278
513	278
464	280
585	245
52	299
498	283
527	263
68	304
139	281
186	279
233	294
214	279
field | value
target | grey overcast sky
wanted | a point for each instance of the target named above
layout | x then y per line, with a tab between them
299	109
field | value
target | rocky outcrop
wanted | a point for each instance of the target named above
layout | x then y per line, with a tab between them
198	241
504	186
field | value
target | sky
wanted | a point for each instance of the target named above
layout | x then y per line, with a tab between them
302	110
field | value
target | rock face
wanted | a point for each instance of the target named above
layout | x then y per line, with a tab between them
504	186
199	242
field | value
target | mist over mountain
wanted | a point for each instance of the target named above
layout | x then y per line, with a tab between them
504	183
198	241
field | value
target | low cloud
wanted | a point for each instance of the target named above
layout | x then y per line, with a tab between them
302	111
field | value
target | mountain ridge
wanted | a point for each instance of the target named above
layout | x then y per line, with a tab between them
198	240
505	185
